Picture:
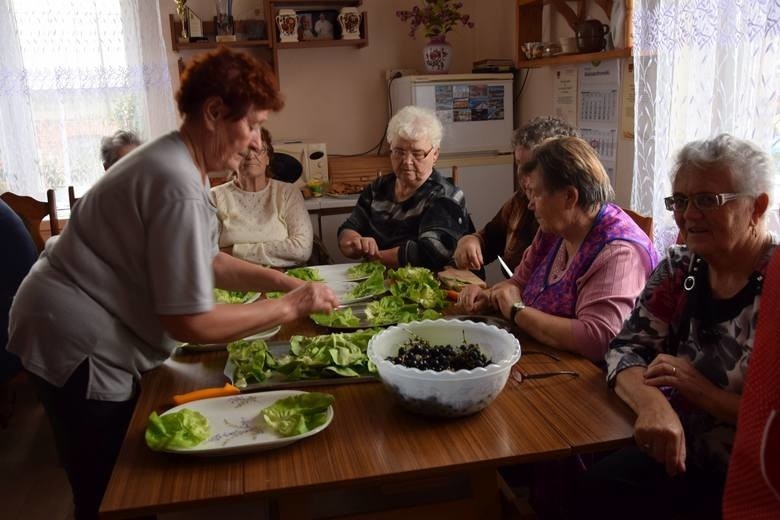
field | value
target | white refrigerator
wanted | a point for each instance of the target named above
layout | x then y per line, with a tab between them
477	113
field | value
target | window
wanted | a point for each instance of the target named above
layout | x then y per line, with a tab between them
75	71
701	68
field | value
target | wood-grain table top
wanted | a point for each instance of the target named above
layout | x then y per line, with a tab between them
371	439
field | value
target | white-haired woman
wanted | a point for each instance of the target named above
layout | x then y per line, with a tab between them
413	216
682	356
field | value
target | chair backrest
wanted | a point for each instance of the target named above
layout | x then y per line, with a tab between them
455	178
72	199
32	212
644	223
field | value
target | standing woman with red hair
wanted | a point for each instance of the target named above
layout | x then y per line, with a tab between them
136	267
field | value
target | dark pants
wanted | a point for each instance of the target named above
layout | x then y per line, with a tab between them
630	484
88	434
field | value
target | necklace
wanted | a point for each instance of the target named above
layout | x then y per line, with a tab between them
696	263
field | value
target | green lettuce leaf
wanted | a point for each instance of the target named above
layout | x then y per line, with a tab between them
364	269
371	286
252	360
338	318
183	429
225	296
298	414
419	285
307	274
328	356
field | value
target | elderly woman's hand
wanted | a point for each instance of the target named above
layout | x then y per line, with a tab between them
312	297
468	253
356	246
503	295
659	433
679	373
473	299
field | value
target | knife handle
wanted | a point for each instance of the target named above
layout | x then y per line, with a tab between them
206	393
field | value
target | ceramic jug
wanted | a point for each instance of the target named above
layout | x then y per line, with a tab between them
590	36
349	19
287	22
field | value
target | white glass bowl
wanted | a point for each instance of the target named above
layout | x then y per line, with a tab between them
447	393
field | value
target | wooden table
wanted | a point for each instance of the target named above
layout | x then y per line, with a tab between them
371	442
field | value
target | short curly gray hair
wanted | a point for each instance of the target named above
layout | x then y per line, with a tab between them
538	129
111	144
414	123
751	167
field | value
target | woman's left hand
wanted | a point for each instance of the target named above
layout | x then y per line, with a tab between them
679	373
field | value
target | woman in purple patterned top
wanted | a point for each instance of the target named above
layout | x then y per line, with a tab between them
581	275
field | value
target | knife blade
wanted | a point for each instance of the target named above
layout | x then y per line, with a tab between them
504	267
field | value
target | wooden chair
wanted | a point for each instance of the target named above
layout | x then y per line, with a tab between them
644	223
32	212
72	199
455	178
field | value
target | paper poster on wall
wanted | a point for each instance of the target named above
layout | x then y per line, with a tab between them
628	95
565	94
456	103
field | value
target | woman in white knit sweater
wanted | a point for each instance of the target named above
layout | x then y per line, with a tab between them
262	220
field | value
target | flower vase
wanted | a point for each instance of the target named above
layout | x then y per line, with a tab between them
437	55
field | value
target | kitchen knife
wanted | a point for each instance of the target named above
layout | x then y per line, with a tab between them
504	267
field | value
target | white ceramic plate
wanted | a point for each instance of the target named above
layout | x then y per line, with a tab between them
337	273
263	334
236	425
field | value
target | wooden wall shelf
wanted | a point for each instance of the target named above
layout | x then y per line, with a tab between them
529	29
574	58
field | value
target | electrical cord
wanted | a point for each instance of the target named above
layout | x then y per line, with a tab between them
378	146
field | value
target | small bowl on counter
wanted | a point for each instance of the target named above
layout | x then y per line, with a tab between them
445	393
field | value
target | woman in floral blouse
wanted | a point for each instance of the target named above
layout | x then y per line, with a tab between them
681	358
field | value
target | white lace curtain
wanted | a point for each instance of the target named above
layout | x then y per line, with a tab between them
73	71
702	67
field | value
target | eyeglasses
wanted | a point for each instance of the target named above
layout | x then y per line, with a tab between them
417	155
702	201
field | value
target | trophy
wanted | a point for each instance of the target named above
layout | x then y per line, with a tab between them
195	25
181	9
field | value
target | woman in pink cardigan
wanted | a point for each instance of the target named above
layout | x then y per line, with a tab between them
582	273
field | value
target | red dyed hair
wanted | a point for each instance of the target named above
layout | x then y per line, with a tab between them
238	79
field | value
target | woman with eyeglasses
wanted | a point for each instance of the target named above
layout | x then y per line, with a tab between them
681	359
413	216
261	219
579	278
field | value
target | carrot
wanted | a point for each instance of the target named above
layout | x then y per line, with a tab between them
452	295
205	393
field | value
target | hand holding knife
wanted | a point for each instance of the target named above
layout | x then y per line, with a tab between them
505	268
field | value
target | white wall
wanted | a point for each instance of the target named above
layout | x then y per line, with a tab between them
338	94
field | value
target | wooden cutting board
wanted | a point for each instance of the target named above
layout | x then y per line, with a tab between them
455	279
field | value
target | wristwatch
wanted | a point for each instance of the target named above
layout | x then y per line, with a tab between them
516	307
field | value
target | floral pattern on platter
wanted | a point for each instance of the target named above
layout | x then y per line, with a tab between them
437	55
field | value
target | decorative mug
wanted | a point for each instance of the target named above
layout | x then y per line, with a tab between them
349	19
287	22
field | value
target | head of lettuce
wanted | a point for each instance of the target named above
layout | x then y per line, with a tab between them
182	429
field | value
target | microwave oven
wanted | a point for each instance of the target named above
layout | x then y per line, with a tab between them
300	161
